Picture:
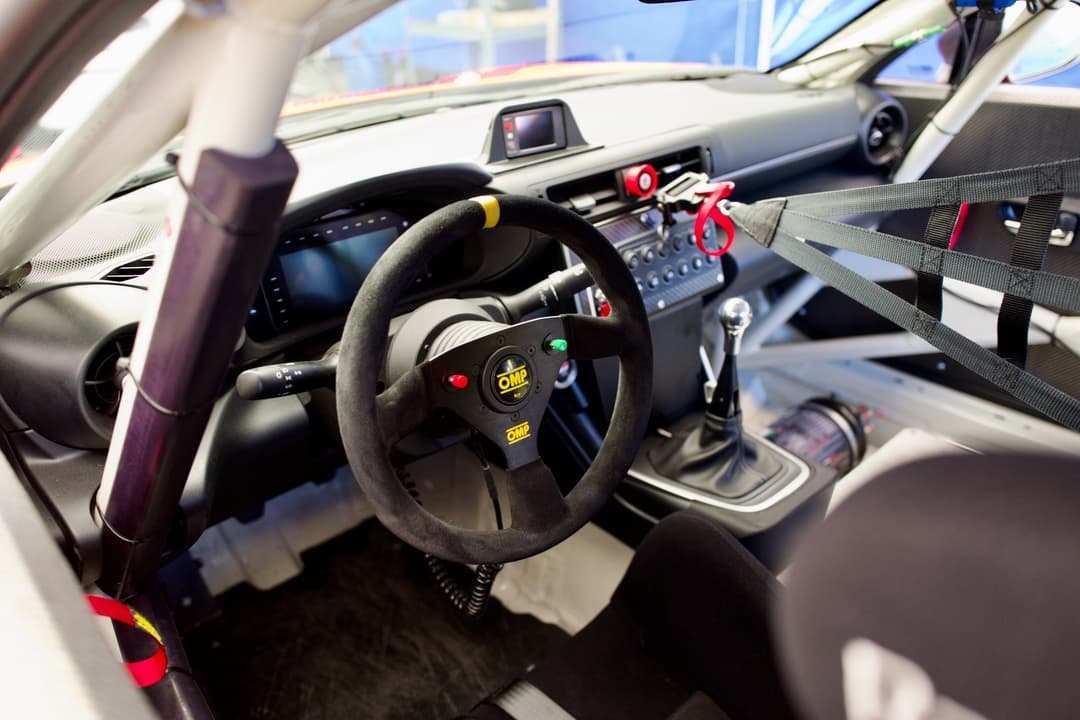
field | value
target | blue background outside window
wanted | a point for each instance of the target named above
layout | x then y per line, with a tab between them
386	51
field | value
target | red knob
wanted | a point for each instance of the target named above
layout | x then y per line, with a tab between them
640	181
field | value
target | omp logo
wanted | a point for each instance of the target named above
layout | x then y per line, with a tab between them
512	380
517	433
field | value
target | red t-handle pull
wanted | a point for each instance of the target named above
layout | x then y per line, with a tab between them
716	192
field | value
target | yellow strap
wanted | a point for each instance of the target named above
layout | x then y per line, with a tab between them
491	209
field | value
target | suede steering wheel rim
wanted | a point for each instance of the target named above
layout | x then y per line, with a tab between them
372	423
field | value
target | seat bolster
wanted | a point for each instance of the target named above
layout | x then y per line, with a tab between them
699	706
703	605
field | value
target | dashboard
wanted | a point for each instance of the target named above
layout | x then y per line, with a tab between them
358	191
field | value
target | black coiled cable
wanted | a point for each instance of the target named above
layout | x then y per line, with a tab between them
473	602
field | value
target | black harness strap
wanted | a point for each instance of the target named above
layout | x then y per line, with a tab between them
1022	385
785	224
1045	288
928	285
996	186
1029	253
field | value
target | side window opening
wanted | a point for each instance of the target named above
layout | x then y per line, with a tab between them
1054	62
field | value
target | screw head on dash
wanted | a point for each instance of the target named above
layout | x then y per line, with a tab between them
556	345
457	381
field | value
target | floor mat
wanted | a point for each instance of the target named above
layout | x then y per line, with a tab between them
361	633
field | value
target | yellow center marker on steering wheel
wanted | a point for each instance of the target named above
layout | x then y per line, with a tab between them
491	209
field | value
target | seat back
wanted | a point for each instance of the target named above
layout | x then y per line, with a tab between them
947	588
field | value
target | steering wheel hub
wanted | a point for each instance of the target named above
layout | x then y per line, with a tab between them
509	379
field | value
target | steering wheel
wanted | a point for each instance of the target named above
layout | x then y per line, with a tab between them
497	378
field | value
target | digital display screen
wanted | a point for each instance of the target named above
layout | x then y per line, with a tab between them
322	280
535	130
532	131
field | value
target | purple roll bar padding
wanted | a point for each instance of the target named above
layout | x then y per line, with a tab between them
222	250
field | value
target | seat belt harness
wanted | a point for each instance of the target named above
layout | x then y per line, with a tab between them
1029	251
939	231
786	224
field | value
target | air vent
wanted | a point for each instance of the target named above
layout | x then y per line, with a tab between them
884	133
602	194
100	385
130	270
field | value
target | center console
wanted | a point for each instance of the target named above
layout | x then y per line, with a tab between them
706	460
663	259
709	462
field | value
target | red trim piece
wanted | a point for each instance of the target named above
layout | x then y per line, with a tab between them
143	672
149	671
709	210
961	218
107	607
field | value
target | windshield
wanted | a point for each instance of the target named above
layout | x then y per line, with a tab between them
419	55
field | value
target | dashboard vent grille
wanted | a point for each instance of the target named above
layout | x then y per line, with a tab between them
672	166
100	386
602	194
130	270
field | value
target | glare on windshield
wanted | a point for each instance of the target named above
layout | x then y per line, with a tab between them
426	46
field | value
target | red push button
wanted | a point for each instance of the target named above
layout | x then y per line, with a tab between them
456	381
640	181
604	310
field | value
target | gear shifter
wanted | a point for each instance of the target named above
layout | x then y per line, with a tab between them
735	317
715	455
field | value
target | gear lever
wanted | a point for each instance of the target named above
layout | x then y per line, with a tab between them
715	454
735	317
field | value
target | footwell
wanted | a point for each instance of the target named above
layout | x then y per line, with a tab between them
361	633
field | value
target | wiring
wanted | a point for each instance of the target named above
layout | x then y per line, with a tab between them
965	54
968	48
970	43
474	600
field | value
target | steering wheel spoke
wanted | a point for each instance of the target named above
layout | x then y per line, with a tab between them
536	502
404	405
592	337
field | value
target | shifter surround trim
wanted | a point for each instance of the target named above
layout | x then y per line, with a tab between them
686	492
